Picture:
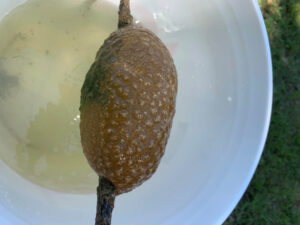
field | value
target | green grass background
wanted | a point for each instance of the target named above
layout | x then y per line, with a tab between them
273	196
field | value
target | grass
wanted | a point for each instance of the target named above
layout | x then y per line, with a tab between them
273	197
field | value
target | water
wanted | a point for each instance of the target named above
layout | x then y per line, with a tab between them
46	48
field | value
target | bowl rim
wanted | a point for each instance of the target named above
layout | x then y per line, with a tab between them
267	51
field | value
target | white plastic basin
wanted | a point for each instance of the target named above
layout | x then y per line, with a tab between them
222	55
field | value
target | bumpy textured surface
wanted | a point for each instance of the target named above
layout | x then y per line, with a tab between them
127	107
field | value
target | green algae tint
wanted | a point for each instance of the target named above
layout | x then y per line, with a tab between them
46	49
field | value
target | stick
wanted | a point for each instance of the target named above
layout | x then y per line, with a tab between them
125	17
105	202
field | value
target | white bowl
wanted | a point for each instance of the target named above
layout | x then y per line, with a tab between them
222	55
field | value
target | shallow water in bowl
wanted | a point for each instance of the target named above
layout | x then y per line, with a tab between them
46	48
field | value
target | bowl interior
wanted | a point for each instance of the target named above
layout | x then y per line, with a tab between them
223	108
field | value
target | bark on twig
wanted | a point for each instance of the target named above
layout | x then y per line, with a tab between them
125	17
105	204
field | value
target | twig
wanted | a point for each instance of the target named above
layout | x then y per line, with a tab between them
125	17
105	203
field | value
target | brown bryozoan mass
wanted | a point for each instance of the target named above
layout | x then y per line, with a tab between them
127	105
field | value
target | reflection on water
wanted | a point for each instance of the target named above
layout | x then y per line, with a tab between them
46	49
